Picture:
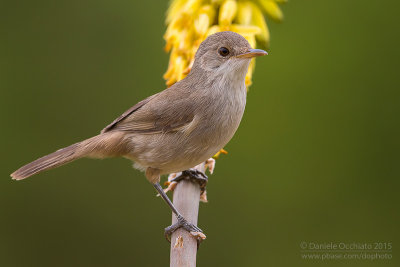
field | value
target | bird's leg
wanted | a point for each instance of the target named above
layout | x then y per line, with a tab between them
182	222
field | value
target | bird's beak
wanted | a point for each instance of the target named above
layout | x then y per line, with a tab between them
253	53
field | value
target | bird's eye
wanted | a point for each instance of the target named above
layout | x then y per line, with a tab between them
223	51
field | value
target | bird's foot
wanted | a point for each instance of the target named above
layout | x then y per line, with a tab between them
194	175
183	223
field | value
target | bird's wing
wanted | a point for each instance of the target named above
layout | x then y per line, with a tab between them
158	113
127	113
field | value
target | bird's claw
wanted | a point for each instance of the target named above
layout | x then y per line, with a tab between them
183	223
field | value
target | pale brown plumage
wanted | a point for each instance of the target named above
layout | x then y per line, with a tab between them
179	127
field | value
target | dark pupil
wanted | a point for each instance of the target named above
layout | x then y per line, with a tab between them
223	51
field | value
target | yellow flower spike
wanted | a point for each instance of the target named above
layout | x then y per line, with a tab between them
227	12
258	19
244	13
272	9
174	9
191	21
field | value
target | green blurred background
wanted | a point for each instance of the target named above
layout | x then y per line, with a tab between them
316	158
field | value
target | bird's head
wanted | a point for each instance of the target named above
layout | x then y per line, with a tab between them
225	53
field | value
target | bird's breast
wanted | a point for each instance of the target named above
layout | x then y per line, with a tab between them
222	114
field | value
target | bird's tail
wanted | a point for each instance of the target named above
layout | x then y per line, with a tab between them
100	146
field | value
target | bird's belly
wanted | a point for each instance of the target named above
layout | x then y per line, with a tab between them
174	153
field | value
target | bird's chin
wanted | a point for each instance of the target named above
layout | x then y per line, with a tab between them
234	69
241	64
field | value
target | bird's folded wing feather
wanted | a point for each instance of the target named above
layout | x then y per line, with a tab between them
158	113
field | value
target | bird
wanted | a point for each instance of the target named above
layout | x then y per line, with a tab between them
177	128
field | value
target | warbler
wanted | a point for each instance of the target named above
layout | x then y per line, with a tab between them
177	128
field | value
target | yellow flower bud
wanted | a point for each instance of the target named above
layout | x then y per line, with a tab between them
174	9
272	9
244	13
213	29
204	19
245	29
191	6
227	12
